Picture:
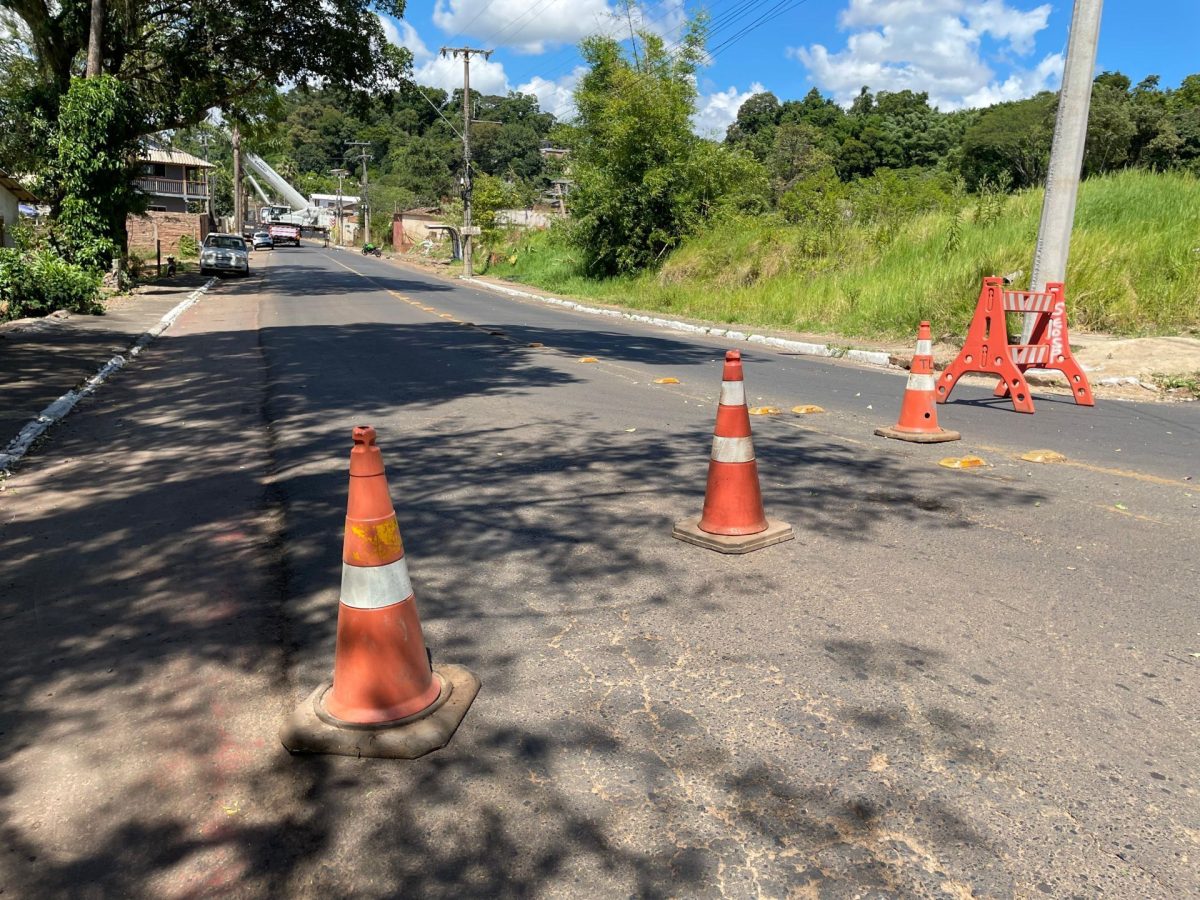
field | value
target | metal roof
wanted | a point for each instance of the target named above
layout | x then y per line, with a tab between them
15	188
173	158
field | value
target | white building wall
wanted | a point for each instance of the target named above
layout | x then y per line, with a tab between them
8	214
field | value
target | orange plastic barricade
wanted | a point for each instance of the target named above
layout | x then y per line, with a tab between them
988	351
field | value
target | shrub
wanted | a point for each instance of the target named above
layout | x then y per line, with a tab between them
39	282
189	247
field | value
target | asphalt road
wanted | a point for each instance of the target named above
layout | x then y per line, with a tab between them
952	683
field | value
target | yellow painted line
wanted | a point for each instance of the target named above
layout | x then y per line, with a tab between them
1108	507
347	268
1043	456
1102	470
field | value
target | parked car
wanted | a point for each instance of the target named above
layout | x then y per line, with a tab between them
262	241
224	253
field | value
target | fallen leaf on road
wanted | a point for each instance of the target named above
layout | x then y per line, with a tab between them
588	359
630	430
764	411
1120	506
807	409
666	381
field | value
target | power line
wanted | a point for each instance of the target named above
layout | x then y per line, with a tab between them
779	9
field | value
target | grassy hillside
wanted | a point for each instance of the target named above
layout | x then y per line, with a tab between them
1134	267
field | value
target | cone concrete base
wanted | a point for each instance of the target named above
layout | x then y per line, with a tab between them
312	730
919	437
689	530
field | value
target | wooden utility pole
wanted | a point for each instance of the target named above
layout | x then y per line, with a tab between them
95	56
1066	153
238	210
468	231
363	202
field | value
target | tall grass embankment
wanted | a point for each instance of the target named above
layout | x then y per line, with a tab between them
1134	265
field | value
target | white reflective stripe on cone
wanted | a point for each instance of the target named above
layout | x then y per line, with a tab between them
374	587
733	393
921	382
924	348
732	450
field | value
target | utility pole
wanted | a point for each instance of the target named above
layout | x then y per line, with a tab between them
468	231
238	210
363	202
339	174
1066	153
208	206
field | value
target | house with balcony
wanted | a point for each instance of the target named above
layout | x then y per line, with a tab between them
174	180
176	185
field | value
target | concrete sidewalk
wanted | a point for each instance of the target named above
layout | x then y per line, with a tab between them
142	649
41	359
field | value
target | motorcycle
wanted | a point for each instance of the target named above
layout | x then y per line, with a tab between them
372	250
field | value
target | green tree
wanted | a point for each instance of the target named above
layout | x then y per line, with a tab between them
1111	128
176	61
1010	140
754	128
795	154
644	180
94	166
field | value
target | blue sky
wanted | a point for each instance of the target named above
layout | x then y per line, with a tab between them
963	52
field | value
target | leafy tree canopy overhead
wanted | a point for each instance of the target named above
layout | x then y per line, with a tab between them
179	60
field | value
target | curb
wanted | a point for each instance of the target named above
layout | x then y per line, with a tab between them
61	408
801	348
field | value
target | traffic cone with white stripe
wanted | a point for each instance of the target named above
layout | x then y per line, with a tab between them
918	411
386	699
732	520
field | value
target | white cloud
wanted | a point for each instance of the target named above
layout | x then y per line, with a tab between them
530	26
402	34
933	46
555	96
1020	84
715	111
446	72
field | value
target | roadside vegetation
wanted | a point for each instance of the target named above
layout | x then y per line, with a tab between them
1135	260
36	281
863	221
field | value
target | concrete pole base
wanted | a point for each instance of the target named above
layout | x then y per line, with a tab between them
689	530
919	437
312	730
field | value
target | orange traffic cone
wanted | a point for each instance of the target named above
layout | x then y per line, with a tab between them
732	520
918	411
386	700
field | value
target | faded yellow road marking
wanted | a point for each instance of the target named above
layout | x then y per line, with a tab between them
1100	470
